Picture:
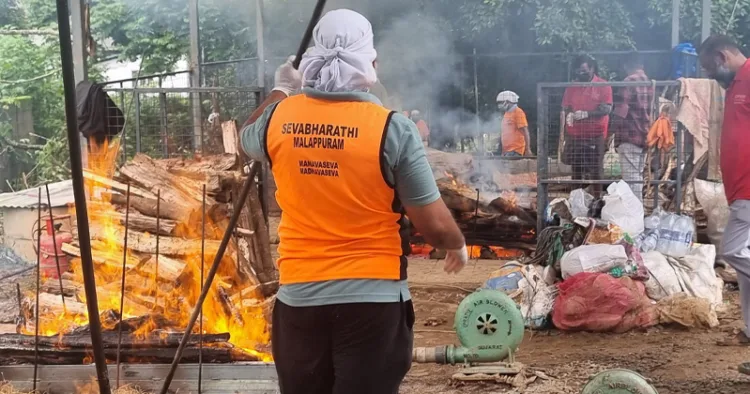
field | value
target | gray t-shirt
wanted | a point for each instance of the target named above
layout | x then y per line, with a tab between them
415	186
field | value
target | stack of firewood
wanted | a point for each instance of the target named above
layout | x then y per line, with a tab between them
497	208
165	238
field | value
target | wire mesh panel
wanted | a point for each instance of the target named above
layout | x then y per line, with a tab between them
592	134
171	122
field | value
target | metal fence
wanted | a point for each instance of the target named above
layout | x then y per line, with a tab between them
575	151
171	122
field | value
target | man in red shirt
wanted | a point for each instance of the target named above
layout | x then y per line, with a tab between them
586	112
723	61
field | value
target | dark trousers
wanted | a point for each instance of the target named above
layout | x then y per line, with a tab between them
586	156
363	348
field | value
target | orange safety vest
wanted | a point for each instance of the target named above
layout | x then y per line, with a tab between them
340	219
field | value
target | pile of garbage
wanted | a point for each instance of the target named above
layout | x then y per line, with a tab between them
602	267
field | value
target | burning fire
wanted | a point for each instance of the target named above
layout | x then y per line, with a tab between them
146	294
451	177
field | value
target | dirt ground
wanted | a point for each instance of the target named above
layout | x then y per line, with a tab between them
676	361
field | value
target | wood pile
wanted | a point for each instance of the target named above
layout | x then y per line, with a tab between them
496	207
164	242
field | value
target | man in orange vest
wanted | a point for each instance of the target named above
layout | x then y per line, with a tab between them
346	170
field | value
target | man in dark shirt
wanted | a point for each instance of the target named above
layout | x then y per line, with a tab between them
630	123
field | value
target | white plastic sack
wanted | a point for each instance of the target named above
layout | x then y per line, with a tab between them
714	202
623	208
697	276
593	258
538	297
580	201
692	274
663	281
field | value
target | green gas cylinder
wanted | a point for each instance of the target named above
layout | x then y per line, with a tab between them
618	381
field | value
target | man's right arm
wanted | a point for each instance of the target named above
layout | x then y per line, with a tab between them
416	186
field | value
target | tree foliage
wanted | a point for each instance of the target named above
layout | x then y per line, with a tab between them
157	31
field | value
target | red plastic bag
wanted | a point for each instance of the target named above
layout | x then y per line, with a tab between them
600	303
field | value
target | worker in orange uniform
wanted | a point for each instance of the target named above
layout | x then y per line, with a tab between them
514	136
347	170
424	130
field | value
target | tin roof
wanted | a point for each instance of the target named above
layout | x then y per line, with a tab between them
61	195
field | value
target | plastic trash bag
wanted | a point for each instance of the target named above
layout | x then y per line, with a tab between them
623	208
675	235
580	201
538	296
611	162
506	278
593	258
714	202
663	281
601	303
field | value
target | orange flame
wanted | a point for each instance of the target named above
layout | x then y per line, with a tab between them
145	294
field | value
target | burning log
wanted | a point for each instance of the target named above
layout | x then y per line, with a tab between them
69	288
146	243
138	222
222	162
147	206
144	171
508	207
100	257
52	305
116	186
154	339
169	269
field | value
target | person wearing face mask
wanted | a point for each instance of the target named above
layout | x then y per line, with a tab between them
514	132
586	112
723	61
347	171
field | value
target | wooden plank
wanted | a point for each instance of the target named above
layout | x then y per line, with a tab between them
116	186
230	136
146	243
147	206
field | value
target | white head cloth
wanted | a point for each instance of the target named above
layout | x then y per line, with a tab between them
508	96
342	55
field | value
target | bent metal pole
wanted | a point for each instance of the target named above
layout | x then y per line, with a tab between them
76	166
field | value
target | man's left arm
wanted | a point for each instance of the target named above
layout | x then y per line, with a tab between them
604	108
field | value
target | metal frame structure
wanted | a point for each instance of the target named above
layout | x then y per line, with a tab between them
251	378
120	95
544	178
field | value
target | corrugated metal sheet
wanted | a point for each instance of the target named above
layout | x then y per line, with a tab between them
61	194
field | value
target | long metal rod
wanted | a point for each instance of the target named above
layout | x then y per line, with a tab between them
12	274
476	106
203	261
122	281
211	274
317	12
84	236
156	258
675	23
54	241
38	283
